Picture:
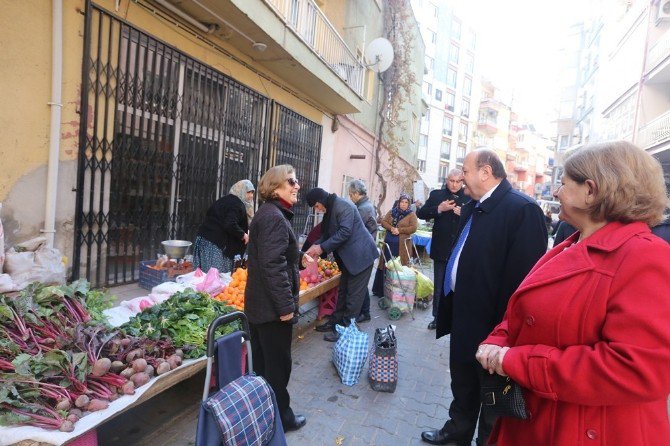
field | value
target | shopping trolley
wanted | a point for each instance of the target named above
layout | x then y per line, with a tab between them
224	354
399	287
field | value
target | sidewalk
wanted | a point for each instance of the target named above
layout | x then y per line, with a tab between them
336	414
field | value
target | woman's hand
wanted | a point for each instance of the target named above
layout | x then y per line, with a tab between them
395	231
245	237
286	317
491	358
306	260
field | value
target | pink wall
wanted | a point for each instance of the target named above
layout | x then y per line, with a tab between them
351	139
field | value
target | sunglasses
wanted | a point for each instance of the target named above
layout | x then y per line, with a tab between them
292	181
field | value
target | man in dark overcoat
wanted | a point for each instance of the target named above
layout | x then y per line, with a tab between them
502	234
345	235
444	208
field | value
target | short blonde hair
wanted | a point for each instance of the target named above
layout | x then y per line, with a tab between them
273	179
629	182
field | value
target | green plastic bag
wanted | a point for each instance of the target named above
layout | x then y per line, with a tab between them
424	286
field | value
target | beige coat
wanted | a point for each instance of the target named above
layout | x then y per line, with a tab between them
407	226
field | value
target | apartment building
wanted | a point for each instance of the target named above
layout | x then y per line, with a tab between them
637	107
450	89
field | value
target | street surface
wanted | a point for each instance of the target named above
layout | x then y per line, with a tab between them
336	414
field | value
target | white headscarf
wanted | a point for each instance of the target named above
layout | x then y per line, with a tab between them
240	190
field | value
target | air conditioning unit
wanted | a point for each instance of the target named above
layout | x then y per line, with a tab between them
663	10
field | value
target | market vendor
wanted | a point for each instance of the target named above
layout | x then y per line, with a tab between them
225	232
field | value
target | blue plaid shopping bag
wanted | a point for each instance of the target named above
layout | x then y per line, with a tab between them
350	353
244	412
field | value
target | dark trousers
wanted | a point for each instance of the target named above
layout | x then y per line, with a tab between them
365	308
351	295
465	408
271	350
439	266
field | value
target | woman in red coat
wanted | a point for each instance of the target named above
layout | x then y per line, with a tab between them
587	333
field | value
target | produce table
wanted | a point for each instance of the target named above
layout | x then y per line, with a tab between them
318	290
32	436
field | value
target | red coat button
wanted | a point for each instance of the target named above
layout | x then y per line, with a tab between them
592	434
530	320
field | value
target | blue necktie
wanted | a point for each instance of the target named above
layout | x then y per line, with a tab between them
454	253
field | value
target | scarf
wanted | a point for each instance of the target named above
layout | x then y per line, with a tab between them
240	190
396	213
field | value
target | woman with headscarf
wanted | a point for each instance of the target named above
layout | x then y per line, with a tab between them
400	223
225	231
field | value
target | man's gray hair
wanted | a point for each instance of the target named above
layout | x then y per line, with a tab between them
487	157
455	173
358	187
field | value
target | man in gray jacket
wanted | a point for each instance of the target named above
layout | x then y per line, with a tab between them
344	234
359	195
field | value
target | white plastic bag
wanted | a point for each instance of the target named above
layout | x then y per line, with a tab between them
44	265
7	284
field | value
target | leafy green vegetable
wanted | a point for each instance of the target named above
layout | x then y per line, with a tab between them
184	318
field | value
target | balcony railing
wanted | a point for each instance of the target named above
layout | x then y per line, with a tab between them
656	132
658	52
312	26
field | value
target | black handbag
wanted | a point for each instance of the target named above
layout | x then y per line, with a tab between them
502	397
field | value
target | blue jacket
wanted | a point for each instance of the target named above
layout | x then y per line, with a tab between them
347	237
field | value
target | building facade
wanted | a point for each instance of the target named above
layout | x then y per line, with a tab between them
450	89
156	108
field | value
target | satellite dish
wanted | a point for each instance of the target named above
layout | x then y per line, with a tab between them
379	54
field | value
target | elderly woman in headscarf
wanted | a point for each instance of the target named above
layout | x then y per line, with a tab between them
400	223
225	232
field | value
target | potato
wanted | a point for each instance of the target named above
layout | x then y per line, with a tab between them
179	352
163	367
96	404
140	379
125	342
174	361
77	412
101	367
127	373
139	365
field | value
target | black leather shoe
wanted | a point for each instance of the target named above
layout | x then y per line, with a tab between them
333	336
432	325
439	437
325	328
363	318
298	422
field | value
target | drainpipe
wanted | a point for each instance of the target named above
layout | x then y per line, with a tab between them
638	101
54	135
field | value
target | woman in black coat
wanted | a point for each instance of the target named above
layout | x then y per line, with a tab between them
224	233
273	284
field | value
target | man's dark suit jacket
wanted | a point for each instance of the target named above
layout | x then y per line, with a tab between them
507	237
445	225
